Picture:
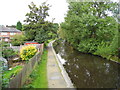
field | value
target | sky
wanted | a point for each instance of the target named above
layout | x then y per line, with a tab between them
12	11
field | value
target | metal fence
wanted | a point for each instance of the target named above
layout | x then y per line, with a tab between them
21	77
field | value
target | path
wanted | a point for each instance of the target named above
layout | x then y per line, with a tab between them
55	78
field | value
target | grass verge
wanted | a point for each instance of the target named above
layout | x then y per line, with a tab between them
38	77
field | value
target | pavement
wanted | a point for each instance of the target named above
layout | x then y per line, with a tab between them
54	75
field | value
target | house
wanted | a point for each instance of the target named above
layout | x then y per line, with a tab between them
7	33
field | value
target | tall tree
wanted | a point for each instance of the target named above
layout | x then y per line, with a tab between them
19	25
89	27
37	28
37	14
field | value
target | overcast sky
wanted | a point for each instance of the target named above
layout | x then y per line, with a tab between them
12	11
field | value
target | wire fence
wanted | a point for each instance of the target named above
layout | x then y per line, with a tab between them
20	78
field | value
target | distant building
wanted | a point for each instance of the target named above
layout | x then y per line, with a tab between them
7	33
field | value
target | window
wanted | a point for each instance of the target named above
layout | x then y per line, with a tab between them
12	33
3	33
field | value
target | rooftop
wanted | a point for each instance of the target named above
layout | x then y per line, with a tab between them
6	29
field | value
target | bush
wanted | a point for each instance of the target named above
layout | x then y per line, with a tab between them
27	52
4	44
18	39
88	45
8	53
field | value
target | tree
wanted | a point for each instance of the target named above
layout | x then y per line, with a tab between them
18	39
49	31
36	27
37	14
19	25
89	27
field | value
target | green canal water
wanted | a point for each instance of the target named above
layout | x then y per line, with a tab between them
86	70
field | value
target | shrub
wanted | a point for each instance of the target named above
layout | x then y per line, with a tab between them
88	45
8	52
4	44
27	52
18	39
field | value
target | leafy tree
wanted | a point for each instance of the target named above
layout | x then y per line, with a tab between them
47	32
36	27
89	27
18	39
54	29
37	14
19	25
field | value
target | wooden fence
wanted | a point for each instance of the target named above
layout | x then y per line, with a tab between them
20	78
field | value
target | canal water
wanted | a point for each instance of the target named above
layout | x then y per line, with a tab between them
86	70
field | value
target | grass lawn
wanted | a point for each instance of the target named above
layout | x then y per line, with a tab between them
38	78
9	74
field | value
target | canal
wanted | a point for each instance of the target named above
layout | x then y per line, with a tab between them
86	70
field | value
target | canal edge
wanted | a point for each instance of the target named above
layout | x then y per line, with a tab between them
63	71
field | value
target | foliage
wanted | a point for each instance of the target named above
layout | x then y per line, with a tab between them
27	52
36	27
89	28
18	39
37	14
8	53
47	33
19	25
7	75
35	20
4	44
38	78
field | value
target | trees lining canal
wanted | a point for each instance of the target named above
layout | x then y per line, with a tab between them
89	28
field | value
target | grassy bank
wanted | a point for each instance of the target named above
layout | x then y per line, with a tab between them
38	78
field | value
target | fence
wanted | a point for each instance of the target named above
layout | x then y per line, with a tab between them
21	77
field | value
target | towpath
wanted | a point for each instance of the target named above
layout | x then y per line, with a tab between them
55	77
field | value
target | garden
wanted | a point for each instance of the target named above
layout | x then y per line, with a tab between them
15	61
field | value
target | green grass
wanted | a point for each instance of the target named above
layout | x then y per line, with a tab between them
7	75
38	78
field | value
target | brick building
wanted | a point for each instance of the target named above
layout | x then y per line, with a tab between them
7	33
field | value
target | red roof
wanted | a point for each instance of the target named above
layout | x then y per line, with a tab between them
27	43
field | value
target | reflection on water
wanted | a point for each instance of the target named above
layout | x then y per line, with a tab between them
88	71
